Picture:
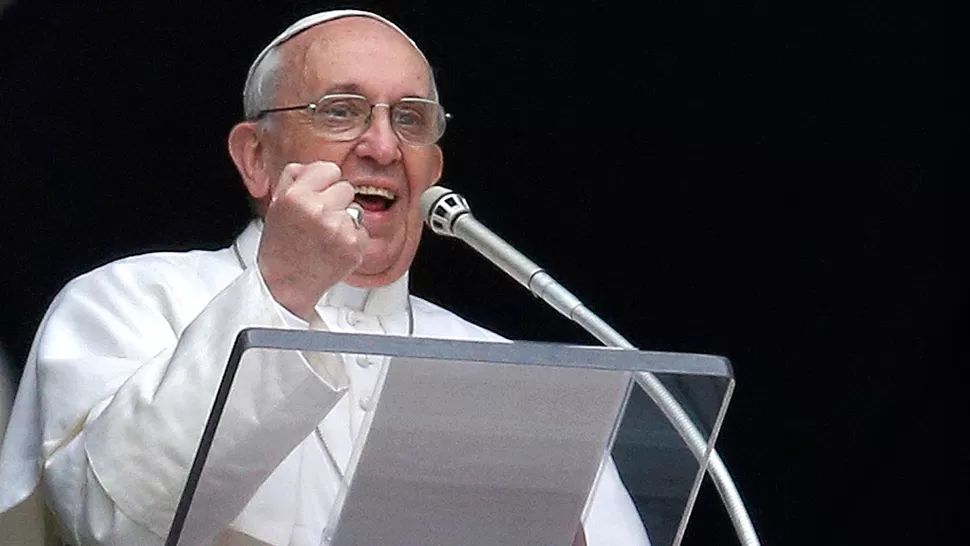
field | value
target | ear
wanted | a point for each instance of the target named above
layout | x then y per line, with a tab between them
246	151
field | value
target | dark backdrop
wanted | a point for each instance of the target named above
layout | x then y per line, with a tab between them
760	180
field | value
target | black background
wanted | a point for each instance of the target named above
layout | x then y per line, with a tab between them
760	180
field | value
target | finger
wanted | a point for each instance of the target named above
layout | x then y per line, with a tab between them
337	197
318	176
333	205
289	174
300	178
341	232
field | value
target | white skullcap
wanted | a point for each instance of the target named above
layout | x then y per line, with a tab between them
312	21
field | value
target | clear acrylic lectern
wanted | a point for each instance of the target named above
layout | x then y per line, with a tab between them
478	443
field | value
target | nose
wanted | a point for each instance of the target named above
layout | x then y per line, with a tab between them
379	142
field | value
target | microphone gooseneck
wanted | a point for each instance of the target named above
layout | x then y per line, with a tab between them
448	214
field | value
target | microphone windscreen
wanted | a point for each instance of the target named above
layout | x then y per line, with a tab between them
430	197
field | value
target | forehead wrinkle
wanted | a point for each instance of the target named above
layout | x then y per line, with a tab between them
314	42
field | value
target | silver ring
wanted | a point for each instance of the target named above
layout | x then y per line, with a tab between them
356	214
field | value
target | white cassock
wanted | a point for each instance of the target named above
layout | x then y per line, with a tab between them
121	377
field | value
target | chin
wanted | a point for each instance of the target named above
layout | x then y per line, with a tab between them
363	280
375	275
384	263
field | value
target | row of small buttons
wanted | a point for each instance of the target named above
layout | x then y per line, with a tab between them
365	324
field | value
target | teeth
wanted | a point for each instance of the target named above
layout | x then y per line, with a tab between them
371	190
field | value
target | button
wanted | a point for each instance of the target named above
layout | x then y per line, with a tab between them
353	318
366	403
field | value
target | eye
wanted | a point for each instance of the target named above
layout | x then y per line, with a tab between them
409	115
340	110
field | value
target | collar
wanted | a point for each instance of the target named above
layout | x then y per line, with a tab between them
385	300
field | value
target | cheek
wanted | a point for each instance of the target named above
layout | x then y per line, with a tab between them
421	168
301	146
409	245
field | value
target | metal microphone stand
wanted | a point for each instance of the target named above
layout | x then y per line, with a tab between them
447	213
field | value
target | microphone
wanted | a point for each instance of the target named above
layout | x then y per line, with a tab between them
448	213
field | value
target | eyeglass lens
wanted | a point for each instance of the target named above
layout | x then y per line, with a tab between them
416	121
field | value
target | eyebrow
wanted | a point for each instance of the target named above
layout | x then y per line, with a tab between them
344	88
353	88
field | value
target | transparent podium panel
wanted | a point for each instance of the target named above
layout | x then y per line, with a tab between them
655	462
327	439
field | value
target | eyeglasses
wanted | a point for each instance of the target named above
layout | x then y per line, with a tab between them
343	117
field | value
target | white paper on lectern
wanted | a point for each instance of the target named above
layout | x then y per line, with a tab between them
477	454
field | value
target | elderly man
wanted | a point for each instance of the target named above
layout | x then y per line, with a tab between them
341	114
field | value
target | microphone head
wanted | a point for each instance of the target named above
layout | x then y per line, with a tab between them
440	207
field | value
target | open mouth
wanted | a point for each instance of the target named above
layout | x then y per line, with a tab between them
374	199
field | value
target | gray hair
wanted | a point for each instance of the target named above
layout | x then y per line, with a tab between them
262	86
264	74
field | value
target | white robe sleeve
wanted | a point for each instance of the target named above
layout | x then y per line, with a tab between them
128	363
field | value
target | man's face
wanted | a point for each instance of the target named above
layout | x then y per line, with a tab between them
361	56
